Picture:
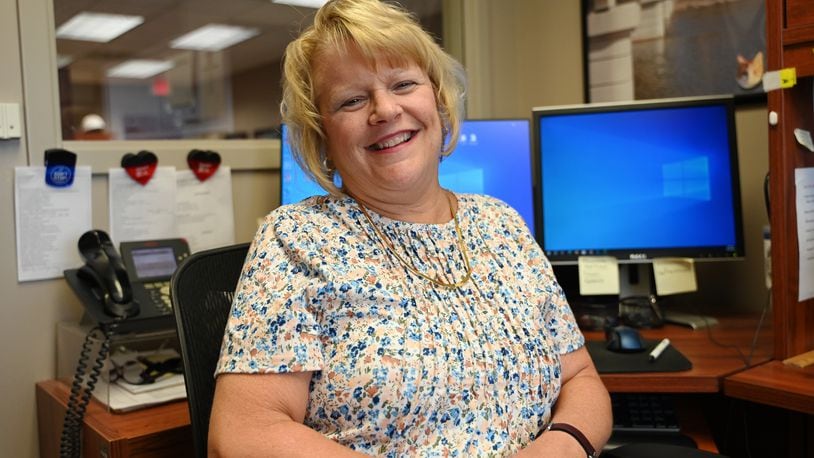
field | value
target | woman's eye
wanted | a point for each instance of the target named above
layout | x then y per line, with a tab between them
402	85
352	102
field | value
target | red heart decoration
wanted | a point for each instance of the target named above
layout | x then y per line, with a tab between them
141	166
204	164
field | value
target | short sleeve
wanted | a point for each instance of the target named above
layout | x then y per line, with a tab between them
273	326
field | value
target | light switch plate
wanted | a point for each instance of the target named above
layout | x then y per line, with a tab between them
10	121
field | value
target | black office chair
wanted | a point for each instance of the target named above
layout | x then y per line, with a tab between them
201	290
649	450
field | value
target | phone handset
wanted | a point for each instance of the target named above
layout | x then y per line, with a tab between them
104	267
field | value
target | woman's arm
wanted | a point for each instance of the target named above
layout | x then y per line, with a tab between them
262	415
583	403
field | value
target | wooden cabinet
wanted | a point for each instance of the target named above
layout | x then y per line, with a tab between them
161	431
799	13
789	43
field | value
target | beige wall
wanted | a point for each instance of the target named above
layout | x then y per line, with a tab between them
522	56
545	68
27	311
256	98
30	311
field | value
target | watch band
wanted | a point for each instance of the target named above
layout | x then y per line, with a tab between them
576	434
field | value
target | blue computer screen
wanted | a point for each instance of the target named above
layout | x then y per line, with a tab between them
295	185
639	181
492	157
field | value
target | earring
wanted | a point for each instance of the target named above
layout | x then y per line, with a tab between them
444	137
327	165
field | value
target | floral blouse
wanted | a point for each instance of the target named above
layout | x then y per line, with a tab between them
403	367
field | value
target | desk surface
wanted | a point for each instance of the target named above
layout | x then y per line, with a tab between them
776	384
711	362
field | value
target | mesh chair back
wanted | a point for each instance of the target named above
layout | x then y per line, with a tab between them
202	289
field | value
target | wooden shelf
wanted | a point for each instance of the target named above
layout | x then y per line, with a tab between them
775	384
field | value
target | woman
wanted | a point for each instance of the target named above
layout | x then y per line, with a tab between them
394	317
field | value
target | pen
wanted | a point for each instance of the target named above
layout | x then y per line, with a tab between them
656	352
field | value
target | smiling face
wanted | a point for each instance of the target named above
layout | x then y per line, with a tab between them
382	126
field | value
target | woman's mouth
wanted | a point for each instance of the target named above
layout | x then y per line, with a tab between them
392	141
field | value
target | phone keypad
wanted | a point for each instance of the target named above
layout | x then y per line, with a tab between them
159	292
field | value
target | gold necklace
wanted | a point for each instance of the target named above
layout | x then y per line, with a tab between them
388	245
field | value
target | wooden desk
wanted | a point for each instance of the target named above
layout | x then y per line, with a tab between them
782	399
162	431
711	362
775	384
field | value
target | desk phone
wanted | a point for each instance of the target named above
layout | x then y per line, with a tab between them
131	288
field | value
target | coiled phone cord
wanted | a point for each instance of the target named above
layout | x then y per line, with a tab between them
70	444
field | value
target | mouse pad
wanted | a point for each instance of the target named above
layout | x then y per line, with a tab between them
606	361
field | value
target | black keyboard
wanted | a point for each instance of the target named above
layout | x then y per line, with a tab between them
644	413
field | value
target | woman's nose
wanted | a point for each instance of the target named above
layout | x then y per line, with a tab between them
384	107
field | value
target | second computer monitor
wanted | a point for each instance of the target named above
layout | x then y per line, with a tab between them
639	180
492	157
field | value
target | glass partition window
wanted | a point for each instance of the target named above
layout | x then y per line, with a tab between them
175	69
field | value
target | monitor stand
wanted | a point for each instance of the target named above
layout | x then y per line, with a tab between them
638	280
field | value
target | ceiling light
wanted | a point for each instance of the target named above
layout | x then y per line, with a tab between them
139	68
98	27
305	3
213	37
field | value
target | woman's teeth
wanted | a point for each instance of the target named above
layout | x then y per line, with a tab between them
393	141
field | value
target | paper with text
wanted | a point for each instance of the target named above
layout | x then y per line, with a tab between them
598	275
142	212
49	221
204	209
674	275
804	181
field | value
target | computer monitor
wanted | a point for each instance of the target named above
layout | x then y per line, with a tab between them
295	185
638	180
493	157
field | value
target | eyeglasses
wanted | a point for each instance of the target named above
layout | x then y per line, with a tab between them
143	371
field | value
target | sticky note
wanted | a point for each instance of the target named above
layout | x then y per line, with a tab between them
779	79
674	275
598	275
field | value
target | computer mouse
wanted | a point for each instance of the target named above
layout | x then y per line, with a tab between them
624	339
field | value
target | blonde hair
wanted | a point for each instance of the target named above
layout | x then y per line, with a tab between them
381	32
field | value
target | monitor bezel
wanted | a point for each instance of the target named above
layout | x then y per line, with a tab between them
642	254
